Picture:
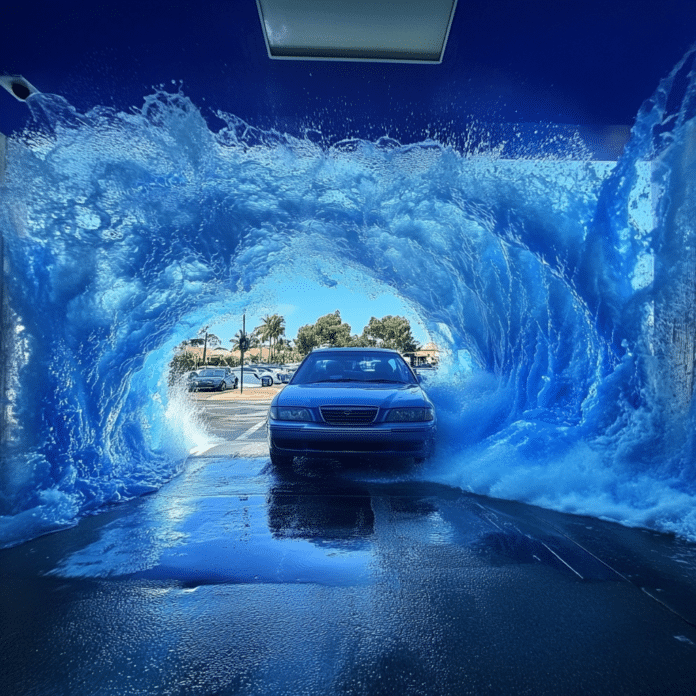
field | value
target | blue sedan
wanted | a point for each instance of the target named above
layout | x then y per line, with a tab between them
351	401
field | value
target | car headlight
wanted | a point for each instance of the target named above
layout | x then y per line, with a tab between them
409	415
290	413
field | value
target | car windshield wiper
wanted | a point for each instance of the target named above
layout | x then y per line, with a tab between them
384	379
341	379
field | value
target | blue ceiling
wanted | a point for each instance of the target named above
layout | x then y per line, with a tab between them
589	63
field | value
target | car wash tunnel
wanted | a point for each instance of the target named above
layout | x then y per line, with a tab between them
523	187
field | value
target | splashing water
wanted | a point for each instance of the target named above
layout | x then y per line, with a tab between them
560	290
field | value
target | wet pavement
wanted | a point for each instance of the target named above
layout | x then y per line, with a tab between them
236	579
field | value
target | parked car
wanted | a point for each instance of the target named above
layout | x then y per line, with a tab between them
425	369
351	401
252	378
261	370
215	378
278	374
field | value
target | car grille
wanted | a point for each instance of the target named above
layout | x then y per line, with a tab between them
341	446
334	415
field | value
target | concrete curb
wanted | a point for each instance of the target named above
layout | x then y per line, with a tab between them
264	394
234	448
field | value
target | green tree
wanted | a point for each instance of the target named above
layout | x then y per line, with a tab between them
328	330
271	329
331	331
389	332
284	350
306	340
230	361
208	340
252	341
278	327
180	365
264	334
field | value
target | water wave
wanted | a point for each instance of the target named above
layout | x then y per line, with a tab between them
560	290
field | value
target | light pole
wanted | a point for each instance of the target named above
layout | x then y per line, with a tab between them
242	348
205	342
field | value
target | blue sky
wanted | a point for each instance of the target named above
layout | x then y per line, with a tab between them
302	301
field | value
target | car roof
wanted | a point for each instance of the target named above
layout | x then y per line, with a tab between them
354	349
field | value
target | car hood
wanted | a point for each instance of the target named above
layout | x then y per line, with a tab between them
377	394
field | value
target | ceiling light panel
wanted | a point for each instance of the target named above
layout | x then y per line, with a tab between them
408	31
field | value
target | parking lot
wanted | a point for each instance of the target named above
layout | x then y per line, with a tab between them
236	420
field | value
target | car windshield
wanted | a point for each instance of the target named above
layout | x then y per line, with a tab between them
211	373
353	366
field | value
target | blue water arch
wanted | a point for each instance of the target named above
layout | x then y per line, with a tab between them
124	229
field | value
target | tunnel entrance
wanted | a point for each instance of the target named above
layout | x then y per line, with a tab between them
125	233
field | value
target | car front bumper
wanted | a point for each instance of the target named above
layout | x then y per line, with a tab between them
313	439
205	386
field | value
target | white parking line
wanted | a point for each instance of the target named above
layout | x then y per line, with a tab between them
201	450
253	429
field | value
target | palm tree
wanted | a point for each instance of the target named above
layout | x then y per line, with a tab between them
263	333
236	341
252	340
272	328
278	327
209	338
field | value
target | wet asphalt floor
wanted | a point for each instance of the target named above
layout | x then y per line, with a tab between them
235	578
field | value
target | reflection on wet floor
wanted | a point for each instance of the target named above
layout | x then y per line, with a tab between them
339	512
236	578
